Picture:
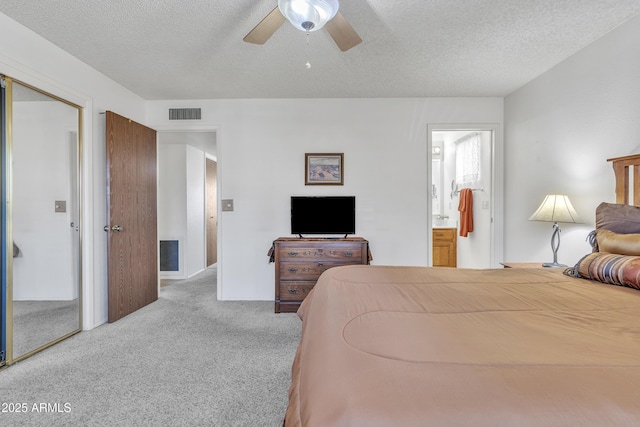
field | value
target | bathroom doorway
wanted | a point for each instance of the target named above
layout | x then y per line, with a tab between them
461	157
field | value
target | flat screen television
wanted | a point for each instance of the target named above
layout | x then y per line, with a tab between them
323	215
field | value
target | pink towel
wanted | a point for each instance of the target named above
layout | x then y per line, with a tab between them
465	206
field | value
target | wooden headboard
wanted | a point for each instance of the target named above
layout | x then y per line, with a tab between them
621	167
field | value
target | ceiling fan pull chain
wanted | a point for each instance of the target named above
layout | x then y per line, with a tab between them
308	64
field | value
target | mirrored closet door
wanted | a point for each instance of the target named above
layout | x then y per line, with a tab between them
41	167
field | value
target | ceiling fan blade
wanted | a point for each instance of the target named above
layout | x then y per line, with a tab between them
342	33
265	29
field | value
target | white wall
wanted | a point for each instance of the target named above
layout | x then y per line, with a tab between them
29	58
181	203
172	200
559	130
261	147
195	206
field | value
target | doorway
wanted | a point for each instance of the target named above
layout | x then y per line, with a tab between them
445	181
183	202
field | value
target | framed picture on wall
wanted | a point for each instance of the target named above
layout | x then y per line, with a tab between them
324	169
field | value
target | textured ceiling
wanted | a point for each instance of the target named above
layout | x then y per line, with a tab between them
168	49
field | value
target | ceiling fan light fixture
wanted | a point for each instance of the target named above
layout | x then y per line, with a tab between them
308	15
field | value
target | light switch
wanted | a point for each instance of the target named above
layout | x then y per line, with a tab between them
227	205
61	206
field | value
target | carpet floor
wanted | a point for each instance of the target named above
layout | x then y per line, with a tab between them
186	359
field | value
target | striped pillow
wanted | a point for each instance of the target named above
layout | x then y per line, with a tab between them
614	269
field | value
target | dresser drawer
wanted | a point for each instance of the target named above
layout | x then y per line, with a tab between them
287	306
308	270
326	252
295	290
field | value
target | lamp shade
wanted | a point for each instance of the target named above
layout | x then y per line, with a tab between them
556	208
308	15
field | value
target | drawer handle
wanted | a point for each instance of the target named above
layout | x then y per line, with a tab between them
293	270
293	253
292	291
348	253
439	234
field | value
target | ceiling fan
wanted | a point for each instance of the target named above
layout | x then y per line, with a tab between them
307	15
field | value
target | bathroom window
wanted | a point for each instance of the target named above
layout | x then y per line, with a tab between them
468	160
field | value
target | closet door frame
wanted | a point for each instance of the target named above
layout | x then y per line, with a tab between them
6	177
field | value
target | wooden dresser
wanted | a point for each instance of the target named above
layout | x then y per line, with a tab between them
300	261
444	247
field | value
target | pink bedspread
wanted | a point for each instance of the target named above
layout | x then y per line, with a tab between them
413	346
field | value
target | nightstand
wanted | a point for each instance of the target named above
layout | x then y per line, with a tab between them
522	264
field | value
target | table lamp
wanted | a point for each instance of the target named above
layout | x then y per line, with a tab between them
555	208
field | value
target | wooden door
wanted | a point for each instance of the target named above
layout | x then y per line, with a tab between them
131	199
212	212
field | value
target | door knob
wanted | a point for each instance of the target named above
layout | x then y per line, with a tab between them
116	228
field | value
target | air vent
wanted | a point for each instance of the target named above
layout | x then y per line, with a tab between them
185	113
169	255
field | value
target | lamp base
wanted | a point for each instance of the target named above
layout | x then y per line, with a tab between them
553	264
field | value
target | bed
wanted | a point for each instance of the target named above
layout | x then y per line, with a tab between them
418	346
